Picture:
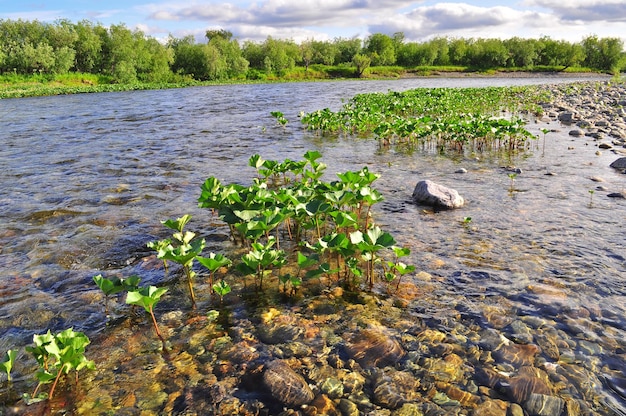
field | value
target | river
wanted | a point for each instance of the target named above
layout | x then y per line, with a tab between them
86	179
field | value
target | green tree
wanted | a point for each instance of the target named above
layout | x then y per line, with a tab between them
560	53
346	49
457	51
228	62
487	53
279	55
523	53
361	62
603	53
87	47
381	49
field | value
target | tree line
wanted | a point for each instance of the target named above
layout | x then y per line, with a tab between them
129	56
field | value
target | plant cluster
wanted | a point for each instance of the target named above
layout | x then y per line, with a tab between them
327	226
56	355
437	118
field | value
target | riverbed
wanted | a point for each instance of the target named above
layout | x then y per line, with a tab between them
529	293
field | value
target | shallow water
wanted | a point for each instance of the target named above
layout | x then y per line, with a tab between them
85	180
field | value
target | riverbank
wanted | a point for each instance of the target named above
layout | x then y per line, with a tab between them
86	83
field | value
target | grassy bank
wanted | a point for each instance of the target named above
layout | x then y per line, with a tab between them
18	86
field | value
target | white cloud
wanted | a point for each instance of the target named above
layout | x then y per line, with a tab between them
584	10
464	20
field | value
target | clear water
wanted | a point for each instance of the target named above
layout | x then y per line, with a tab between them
85	180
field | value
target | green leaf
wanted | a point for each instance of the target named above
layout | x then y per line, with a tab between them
6	365
177	224
145	297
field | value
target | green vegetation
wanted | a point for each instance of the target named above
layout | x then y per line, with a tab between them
39	58
434	118
57	355
147	297
327	225
6	365
115	285
185	249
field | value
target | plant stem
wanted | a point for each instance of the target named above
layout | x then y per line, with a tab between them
156	328
55	381
191	293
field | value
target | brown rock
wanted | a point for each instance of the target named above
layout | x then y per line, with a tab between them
286	385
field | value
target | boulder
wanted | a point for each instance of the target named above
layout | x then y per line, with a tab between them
618	164
438	196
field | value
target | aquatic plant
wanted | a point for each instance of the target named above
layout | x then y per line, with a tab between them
280	118
433	118
57	355
591	192
396	269
512	177
183	249
545	133
331	222
7	362
215	262
115	285
147	297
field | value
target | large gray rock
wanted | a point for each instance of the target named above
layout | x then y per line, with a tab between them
619	163
438	196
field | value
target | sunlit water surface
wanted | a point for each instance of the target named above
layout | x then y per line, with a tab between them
86	179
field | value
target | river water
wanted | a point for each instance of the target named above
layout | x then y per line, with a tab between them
86	179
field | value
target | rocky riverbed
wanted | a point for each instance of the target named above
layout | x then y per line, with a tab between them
596	110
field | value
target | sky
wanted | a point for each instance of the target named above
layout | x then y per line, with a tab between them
299	20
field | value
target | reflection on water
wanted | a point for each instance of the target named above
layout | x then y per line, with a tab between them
85	180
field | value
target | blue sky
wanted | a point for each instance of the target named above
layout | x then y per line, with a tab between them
299	20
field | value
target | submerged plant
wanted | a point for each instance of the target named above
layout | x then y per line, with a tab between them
57	355
512	177
6	365
591	192
147	297
545	133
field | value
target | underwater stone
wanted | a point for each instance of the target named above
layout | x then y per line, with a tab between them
286	385
543	405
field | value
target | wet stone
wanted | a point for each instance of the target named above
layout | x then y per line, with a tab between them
491	408
285	384
408	409
332	387
373	348
348	408
278	334
522	387
543	405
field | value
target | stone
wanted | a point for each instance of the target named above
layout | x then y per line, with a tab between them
285	385
543	405
408	409
438	196
619	163
373	348
348	408
576	133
